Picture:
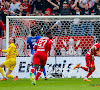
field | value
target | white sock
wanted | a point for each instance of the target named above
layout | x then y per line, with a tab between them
85	77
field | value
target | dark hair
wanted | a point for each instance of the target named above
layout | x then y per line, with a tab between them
14	40
33	33
98	4
48	32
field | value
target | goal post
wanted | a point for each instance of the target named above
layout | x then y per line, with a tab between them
73	36
68	31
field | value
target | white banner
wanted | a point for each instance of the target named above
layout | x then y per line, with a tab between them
64	65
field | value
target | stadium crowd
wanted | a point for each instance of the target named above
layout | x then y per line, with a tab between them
46	8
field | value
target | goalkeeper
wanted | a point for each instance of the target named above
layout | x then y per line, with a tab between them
10	62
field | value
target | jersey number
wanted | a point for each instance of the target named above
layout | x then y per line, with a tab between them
42	43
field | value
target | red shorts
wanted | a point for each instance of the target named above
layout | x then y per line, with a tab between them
89	61
40	58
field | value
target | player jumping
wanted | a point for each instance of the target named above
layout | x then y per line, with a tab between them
30	43
42	47
89	57
10	62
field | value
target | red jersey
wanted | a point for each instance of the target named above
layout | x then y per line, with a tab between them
2	25
26	7
97	47
43	44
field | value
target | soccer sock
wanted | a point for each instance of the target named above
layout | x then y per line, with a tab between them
10	76
85	68
44	71
38	73
90	72
2	72
33	69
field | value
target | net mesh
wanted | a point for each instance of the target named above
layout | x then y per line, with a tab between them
72	36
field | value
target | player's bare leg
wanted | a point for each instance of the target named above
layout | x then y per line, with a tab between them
2	72
78	66
91	70
11	76
31	74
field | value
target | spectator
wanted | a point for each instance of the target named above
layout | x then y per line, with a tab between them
2	15
20	12
76	28
76	11
48	5
58	24
14	5
98	9
48	12
2	28
37	5
87	28
6	8
86	10
81	2
56	11
64	10
91	3
26	6
46	27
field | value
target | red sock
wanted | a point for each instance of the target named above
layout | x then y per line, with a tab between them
33	69
85	68
38	73
90	72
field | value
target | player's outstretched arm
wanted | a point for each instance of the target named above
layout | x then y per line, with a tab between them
5	50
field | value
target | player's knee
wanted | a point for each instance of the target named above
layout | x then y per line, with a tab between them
35	65
92	69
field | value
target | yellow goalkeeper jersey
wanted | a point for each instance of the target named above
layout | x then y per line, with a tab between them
11	51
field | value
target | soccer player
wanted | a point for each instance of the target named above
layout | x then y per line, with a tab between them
10	62
42	47
31	42
89	57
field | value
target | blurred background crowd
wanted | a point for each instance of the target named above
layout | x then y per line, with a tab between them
50	8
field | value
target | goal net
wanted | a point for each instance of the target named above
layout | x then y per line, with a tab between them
72	35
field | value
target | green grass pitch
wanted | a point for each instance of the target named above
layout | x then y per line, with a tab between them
51	84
